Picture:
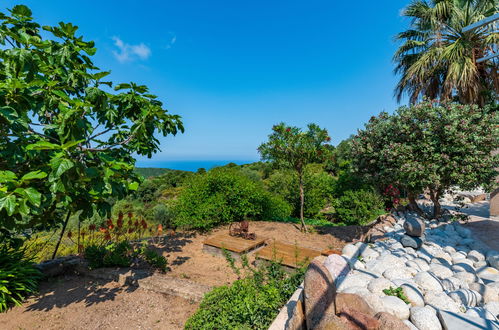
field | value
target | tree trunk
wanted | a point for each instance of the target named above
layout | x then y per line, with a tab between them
62	234
302	203
437	208
414	205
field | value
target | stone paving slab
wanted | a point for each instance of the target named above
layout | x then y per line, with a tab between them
454	321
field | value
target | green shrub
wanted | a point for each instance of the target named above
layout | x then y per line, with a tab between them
224	195
359	207
163	214
249	303
155	260
18	277
114	254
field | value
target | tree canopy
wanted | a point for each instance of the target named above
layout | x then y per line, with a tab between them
289	147
438	60
430	146
66	137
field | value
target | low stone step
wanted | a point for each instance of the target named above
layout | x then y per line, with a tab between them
454	321
167	284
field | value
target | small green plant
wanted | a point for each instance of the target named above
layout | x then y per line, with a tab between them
361	259
397	292
18	277
155	259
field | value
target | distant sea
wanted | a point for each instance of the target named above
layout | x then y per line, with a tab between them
190	165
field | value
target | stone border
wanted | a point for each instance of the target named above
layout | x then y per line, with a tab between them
291	315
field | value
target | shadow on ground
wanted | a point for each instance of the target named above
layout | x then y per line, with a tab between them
65	290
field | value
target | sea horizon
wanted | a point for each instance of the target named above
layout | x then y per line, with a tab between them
190	165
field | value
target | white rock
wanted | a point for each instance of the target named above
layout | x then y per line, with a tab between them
413	294
449	249
453	284
428	282
337	265
493	260
350	251
462	267
480	312
439	300
493	308
374	301
419	264
457	256
369	254
489	293
466	277
410	325
353	279
356	290
440	271
480	264
377	285
384	262
397	272
488	274
425	318
357	265
476	256
463	232
396	306
466	297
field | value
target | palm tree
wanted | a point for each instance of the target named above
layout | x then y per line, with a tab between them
439	61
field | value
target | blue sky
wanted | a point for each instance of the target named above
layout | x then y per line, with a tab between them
232	69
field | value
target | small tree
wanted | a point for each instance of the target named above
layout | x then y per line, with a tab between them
66	140
289	147
429	146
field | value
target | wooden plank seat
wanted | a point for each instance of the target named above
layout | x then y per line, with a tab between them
287	254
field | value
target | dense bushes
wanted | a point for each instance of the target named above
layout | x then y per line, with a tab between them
250	303
222	196
18	277
359	207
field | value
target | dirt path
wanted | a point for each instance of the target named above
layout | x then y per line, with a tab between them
82	303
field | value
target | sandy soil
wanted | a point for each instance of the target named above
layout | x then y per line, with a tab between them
72	302
81	303
187	260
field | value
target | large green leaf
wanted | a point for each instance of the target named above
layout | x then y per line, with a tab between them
33	175
7	176
62	166
43	145
33	195
8	203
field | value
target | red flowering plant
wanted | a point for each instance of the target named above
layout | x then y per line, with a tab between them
391	196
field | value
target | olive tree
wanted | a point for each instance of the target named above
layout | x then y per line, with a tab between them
66	137
291	148
429	146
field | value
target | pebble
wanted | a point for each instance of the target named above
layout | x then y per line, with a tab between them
428	282
425	318
440	271
377	285
466	297
440	300
396	306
